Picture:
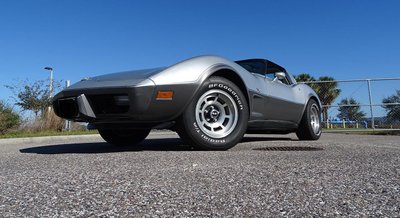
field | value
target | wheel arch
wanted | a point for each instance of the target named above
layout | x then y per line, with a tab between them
308	96
232	76
226	72
317	100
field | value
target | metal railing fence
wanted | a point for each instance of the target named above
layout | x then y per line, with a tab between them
361	104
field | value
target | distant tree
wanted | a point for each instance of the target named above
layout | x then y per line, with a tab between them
353	112
304	77
8	118
34	96
393	107
327	90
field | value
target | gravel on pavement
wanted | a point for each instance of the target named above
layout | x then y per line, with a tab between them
264	175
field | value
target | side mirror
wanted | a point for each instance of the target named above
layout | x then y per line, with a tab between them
280	76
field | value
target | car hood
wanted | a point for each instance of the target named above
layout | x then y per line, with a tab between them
128	75
121	79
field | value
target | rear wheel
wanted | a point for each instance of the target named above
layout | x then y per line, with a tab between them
124	137
217	116
310	125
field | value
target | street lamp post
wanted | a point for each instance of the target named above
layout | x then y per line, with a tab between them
51	81
67	125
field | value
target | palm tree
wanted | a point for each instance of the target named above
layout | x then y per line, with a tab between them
304	77
352	112
327	90
392	106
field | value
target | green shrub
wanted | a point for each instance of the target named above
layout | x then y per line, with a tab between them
45	122
8	118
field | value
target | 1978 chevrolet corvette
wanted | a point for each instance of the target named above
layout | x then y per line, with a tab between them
211	102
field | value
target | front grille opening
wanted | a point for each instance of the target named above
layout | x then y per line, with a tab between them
68	108
121	100
109	103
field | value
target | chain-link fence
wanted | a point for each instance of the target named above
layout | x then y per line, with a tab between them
365	104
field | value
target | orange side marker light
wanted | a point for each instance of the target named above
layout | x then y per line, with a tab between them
165	95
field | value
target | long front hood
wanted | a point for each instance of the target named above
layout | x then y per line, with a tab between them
121	79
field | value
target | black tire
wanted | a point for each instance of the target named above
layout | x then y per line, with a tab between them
124	137
216	118
310	124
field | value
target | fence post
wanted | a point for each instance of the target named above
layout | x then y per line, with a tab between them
370	104
67	122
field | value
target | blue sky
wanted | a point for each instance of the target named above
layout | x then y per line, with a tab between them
346	39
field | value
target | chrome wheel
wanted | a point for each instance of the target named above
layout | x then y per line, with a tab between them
315	119
310	124
216	113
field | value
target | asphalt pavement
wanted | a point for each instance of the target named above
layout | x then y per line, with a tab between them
265	175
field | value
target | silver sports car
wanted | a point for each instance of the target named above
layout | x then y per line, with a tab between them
211	102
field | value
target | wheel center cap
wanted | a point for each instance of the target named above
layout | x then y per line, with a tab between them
214	113
211	114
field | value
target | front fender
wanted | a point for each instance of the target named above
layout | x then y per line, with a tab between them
189	75
308	94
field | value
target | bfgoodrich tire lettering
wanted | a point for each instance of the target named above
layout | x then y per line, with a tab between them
310	125
217	116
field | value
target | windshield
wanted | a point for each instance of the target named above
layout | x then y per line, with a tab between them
253	66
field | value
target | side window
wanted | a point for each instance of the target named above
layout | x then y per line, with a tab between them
270	75
265	68
271	71
285	80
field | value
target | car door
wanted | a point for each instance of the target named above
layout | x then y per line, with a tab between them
283	99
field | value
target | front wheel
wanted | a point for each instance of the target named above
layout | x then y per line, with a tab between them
124	137
310	124
217	116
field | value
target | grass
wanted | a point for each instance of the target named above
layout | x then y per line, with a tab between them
377	132
363	132
24	134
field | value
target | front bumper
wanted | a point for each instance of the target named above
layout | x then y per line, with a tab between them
132	105
103	105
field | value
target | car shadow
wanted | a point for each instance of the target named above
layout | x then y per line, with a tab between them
279	148
104	147
258	139
174	144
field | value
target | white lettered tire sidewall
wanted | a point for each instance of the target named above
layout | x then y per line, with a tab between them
198	136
